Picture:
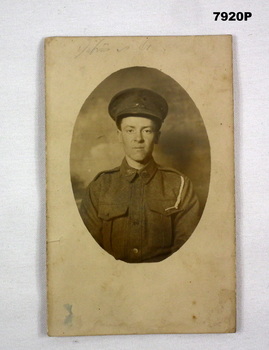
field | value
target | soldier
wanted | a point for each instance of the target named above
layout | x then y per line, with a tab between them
140	211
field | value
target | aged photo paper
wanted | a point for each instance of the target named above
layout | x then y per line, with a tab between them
140	185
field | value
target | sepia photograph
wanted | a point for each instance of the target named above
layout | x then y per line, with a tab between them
140	165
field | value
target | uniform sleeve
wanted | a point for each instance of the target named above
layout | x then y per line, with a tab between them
187	219
88	212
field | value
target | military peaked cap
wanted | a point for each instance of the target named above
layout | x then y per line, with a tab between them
138	102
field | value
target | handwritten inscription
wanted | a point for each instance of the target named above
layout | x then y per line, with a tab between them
103	46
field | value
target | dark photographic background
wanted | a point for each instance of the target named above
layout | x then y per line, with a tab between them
183	144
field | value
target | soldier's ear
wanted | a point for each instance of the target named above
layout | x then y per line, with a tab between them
157	137
119	134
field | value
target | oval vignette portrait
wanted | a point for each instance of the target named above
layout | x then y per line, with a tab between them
140	165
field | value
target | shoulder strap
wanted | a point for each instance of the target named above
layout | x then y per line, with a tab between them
169	170
110	171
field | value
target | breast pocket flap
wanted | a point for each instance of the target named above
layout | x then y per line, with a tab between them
109	211
164	206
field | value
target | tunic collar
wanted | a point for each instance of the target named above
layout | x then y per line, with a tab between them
146	173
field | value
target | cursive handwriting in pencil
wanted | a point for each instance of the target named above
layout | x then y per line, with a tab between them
100	46
103	46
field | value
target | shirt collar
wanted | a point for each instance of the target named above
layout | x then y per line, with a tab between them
146	173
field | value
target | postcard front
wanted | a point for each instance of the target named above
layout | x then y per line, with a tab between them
140	185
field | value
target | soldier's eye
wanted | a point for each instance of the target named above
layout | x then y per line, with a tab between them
129	131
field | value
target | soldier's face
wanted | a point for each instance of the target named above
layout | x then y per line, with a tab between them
138	136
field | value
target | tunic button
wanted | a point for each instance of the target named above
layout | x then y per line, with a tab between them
135	250
144	174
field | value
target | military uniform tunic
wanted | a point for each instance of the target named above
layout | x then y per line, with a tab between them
140	215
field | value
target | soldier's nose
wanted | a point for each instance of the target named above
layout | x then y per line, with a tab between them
139	137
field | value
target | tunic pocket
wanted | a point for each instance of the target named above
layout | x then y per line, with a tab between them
160	221
108	211
114	219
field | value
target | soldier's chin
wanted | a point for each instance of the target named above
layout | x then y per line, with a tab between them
141	160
